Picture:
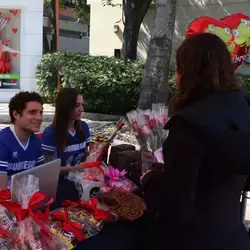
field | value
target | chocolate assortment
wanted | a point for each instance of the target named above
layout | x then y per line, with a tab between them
128	206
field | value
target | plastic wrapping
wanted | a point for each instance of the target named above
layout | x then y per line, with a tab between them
148	126
30	215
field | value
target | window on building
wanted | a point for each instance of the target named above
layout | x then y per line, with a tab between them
117	53
72	34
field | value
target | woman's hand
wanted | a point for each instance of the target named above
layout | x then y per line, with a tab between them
77	168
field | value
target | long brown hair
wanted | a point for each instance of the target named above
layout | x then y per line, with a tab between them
204	65
65	104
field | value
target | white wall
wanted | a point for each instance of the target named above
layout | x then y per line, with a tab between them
30	42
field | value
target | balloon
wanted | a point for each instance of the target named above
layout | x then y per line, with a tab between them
233	29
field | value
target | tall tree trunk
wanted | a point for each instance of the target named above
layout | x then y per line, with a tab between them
53	43
154	85
46	47
134	13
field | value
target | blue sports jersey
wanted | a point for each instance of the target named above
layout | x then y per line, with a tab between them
74	152
14	156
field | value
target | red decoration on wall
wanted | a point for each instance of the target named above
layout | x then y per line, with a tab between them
14	12
6	42
8	18
14	80
1	35
14	53
233	29
1	13
14	30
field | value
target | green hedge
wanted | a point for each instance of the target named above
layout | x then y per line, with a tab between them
107	84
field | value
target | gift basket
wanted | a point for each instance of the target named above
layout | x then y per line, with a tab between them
77	221
25	227
97	178
148	126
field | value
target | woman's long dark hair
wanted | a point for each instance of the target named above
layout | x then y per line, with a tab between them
65	104
204	65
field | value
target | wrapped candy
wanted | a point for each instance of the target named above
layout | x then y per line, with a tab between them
67	227
30	231
79	220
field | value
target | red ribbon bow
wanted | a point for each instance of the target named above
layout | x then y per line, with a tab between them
69	225
35	203
98	214
94	164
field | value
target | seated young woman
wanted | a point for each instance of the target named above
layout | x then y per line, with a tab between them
68	136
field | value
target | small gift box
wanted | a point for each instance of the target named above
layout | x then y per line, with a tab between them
89	181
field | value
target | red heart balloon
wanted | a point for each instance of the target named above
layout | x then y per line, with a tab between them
7	42
14	30
234	30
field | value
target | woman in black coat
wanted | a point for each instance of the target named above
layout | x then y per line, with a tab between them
196	200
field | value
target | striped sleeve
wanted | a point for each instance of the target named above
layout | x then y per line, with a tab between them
48	142
3	159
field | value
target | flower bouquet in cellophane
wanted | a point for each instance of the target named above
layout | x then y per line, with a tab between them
148	126
30	216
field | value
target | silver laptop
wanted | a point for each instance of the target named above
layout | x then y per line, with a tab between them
3	181
48	175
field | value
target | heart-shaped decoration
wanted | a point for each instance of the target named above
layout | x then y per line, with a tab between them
13	80
14	53
14	12
6	42
15	30
234	30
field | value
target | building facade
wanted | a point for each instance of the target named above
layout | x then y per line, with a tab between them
105	39
21	25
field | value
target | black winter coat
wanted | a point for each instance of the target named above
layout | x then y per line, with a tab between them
196	201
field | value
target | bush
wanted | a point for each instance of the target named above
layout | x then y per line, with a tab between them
245	81
107	84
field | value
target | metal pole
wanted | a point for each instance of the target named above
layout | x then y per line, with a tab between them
57	3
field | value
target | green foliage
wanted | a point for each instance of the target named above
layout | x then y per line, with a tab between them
82	10
245	81
107	84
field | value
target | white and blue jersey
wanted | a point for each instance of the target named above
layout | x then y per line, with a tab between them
14	156
74	152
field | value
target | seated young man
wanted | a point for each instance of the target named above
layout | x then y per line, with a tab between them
20	148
